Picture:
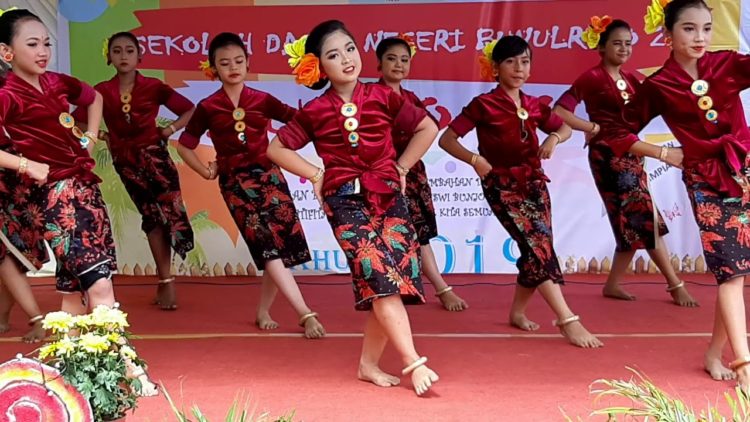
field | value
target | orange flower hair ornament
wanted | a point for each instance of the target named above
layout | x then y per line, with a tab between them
592	34
410	41
205	66
486	70
654	17
306	67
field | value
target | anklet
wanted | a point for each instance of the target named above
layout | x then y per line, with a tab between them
414	365
676	286
35	319
166	280
443	291
307	316
739	363
566	321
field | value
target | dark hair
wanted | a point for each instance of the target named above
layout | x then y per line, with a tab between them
9	23
387	43
673	9
317	37
509	46
129	35
614	25
225	39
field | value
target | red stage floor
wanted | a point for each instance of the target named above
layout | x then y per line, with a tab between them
208	351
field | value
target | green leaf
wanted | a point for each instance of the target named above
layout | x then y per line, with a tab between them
396	245
345	235
366	267
251	193
400	228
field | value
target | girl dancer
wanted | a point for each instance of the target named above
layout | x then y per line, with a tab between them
140	155
621	181
350	125
34	107
513	180
696	92
394	61
253	188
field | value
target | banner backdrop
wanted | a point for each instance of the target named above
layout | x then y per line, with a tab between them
174	36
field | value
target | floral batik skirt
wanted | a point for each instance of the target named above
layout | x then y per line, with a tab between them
382	250
78	230
152	181
622	184
263	209
524	212
419	196
21	222
724	225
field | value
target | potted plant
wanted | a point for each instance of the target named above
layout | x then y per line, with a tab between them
93	354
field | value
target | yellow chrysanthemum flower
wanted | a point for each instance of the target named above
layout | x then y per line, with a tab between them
295	51
65	346
654	18
128	353
114	337
93	343
58	322
590	37
104	316
47	351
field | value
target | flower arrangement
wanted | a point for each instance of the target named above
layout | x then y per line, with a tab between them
654	18
485	62
592	34
236	413
306	67
92	353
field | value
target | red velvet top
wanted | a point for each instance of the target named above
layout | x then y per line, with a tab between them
603	100
214	114
717	150
32	119
379	110
147	96
499	131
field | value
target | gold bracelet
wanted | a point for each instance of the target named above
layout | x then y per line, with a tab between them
559	138
23	165
317	176
91	135
663	153
403	171
474	158
171	126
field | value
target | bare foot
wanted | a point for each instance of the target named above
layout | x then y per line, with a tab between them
616	292
313	328
376	376
422	379
452	302
681	297
713	367
264	322
166	297
579	336
148	388
36	334
520	321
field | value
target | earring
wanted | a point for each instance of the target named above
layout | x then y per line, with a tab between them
8	57
668	41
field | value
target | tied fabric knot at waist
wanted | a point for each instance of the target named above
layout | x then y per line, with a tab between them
374	178
721	162
523	173
82	169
